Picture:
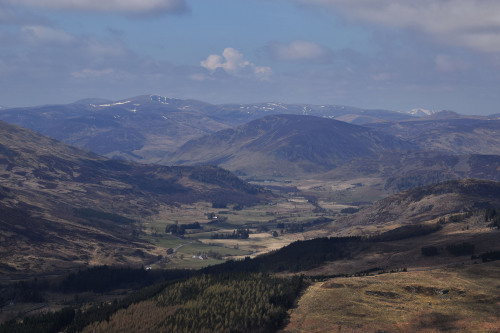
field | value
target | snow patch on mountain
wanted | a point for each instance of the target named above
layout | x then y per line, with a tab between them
419	112
110	104
158	98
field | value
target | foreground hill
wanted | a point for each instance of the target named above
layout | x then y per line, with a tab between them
458	299
285	145
385	281
62	206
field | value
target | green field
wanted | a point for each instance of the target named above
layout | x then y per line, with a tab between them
261	220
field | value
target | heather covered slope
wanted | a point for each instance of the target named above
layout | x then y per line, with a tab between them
448	132
286	145
62	206
397	171
424	204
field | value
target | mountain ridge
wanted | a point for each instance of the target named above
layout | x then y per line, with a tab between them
304	143
145	127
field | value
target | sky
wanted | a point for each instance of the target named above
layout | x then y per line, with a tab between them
374	54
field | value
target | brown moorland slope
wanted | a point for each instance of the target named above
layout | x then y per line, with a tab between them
63	207
424	204
456	299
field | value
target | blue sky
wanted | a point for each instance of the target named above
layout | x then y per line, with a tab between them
389	54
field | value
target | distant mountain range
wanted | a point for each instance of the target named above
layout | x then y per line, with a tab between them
142	129
257	140
145	128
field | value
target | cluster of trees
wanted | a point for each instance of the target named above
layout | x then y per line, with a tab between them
293	228
297	256
461	249
458	249
406	231
72	320
240	233
456	218
349	210
180	229
220	205
22	291
493	216
53	322
103	278
429	251
299	227
490	256
230	303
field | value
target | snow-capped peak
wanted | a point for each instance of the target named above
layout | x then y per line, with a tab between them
419	112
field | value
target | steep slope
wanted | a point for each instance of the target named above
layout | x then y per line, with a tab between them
427	203
61	206
398	171
449	132
285	145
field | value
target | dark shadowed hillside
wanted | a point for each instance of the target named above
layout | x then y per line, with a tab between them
62	206
286	145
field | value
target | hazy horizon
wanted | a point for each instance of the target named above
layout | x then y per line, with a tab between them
393	55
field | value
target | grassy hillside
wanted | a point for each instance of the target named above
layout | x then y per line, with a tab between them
63	207
285	145
420	300
424	204
449	133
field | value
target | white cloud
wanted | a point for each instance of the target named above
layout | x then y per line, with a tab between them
86	73
381	77
44	34
132	7
297	50
445	63
103	48
468	23
197	77
233	63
